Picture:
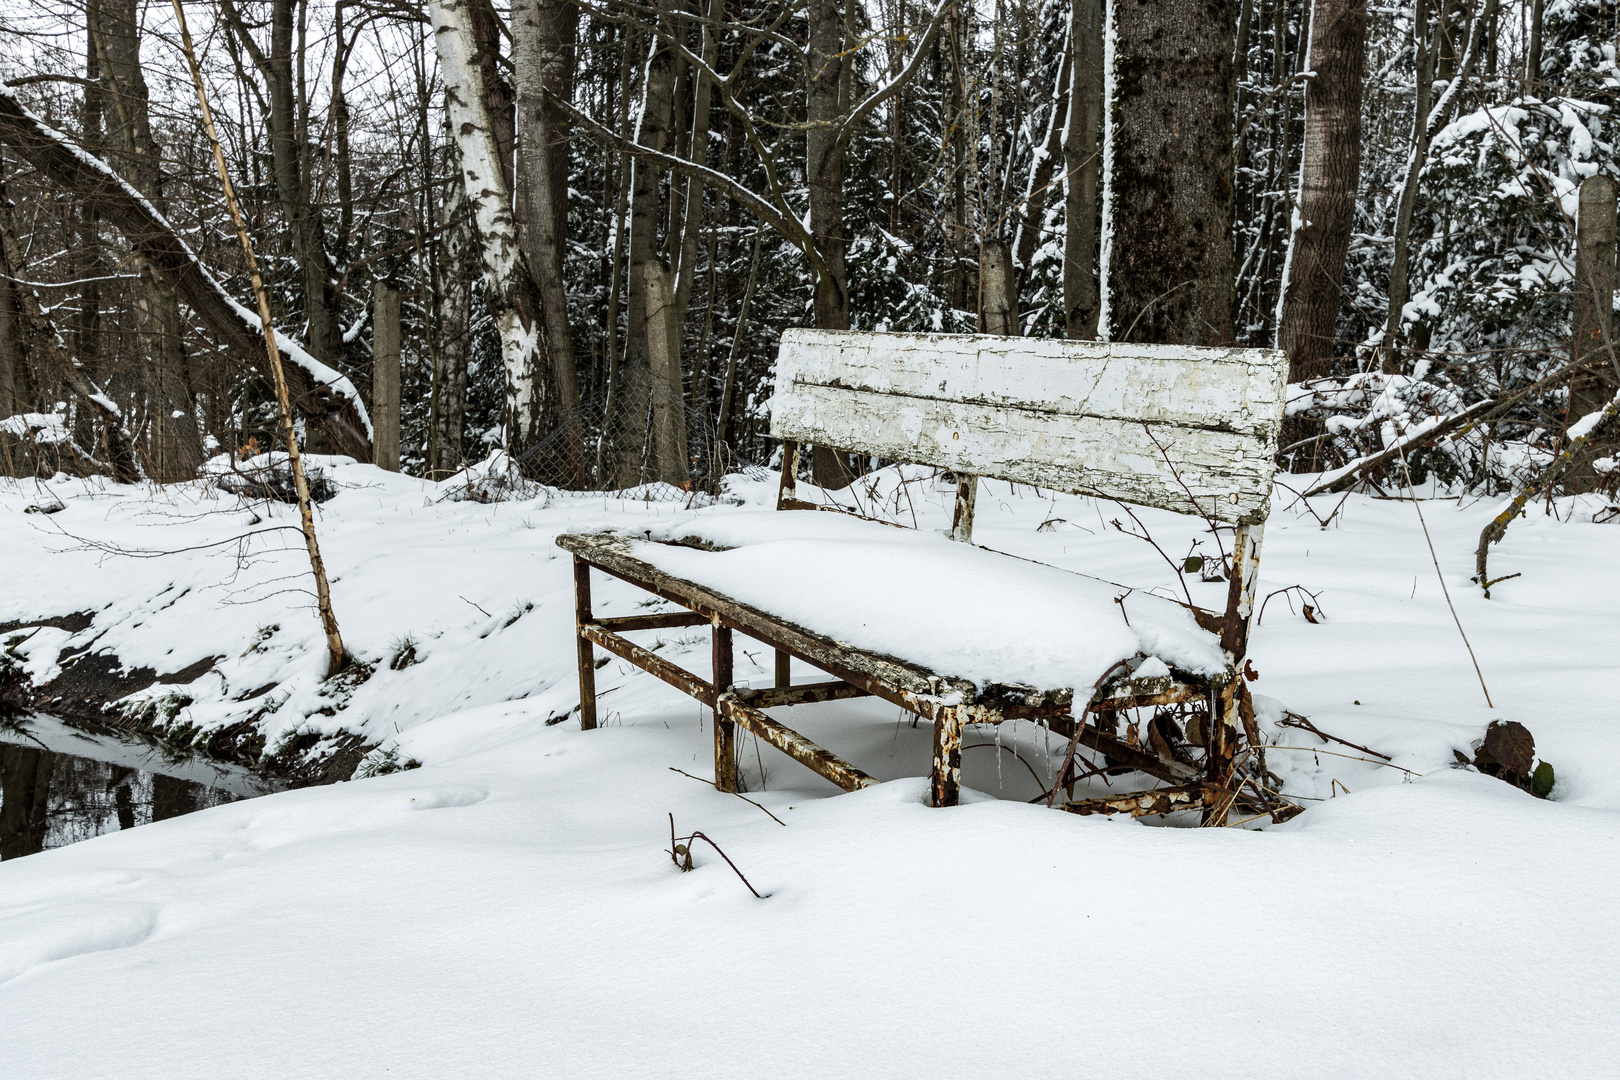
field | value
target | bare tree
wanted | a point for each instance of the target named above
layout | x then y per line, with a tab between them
1330	173
1170	269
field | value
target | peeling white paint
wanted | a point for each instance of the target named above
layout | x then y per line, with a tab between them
1077	416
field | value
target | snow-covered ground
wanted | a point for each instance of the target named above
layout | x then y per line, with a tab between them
509	908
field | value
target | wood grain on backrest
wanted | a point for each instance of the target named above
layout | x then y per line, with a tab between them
1085	417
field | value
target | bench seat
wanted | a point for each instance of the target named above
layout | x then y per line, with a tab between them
952	622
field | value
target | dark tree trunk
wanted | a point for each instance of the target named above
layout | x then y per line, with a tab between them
825	105
1330	170
632	399
25	791
1170	271
329	408
176	443
291	171
1082	166
1592	346
543	57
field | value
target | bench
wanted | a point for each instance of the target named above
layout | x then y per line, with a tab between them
953	632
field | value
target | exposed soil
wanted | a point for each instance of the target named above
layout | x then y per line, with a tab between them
92	683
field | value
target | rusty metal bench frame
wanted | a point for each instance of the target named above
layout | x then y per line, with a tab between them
949	704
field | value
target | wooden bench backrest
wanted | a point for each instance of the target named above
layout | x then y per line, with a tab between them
1144	424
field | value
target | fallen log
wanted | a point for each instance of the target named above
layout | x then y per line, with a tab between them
1580	433
327	399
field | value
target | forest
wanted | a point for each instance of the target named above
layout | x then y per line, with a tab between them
804	538
574	231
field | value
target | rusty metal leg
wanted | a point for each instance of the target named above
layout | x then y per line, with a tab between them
725	732
1223	735
587	656
967	490
947	783
784	669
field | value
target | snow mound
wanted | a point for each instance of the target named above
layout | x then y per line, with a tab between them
955	609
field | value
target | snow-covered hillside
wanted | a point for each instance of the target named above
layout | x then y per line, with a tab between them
509	908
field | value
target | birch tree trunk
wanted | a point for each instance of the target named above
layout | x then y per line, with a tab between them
1170	272
1082	168
532	403
1330	170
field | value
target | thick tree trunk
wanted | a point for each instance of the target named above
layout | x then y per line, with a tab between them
533	408
459	266
543	36
824	167
1532	52
325	397
1082	168
1171	265
385	335
633	396
1330	170
1595	379
669	442
176	444
998	299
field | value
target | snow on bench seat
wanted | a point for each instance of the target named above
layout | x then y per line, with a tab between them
958	611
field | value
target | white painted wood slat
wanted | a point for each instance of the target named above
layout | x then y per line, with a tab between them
1076	416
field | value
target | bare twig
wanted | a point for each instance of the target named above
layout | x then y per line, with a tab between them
739	795
1145	535
680	852
1295	720
1437	573
1310	612
1351	757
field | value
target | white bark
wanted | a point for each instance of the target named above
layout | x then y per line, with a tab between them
506	275
1080	416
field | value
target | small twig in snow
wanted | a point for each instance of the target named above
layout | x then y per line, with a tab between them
739	795
1310	612
1295	720
681	854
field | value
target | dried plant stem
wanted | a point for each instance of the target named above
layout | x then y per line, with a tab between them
323	592
1418	505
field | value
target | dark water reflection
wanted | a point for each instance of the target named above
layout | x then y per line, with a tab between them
60	784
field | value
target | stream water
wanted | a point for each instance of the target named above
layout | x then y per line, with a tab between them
61	784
